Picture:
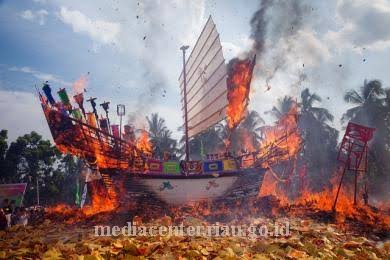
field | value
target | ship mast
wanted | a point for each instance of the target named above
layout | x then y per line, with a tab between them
187	147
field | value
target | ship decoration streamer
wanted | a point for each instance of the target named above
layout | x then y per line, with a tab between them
128	169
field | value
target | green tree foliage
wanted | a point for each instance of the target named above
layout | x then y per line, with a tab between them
372	108
246	136
4	173
160	136
317	157
209	141
35	161
319	140
213	140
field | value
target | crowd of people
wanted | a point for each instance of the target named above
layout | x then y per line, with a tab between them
10	214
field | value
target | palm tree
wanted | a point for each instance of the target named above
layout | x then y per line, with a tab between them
252	123
307	101
160	136
367	100
208	141
247	135
282	107
372	109
156	126
319	140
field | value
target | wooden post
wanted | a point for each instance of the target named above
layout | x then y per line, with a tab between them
187	148
354	195
338	189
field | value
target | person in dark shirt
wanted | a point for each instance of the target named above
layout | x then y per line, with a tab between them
47	90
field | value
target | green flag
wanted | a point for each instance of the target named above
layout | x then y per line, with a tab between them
202	152
77	201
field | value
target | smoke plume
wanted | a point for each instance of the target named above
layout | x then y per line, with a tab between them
275	28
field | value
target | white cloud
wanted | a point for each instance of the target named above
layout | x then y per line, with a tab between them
310	47
40	1
99	31
35	16
21	114
231	50
363	24
40	75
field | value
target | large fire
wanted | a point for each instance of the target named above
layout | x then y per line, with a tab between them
283	141
323	200
238	84
280	145
100	202
143	142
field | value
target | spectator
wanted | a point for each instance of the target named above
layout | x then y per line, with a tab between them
23	217
15	216
7	211
3	220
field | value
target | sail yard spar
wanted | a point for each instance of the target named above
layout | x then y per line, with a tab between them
206	74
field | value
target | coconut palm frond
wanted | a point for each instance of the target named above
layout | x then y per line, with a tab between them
352	96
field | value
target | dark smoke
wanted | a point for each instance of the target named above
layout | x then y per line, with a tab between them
259	26
276	23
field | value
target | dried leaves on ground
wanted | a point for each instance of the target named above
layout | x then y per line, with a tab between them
307	239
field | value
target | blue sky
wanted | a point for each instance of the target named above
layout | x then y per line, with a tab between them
60	40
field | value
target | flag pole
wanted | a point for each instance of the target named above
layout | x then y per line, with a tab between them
187	148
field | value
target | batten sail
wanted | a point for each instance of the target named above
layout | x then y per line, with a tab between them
206	82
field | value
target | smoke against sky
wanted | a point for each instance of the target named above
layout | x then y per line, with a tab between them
307	44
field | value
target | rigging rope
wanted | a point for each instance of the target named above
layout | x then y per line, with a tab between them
280	179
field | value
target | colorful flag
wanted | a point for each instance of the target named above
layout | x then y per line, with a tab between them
64	96
77	193
103	124
13	191
91	119
84	196
47	90
76	113
115	130
202	152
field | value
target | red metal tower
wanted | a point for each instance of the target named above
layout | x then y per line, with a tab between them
353	152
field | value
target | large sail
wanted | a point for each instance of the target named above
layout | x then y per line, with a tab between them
206	82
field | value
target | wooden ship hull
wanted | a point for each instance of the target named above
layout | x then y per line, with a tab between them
130	174
130	171
181	190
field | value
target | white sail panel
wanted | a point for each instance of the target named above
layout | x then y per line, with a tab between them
206	82
207	79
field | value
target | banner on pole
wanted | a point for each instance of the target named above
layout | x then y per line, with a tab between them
14	191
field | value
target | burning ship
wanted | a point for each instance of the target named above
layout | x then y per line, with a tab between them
209	89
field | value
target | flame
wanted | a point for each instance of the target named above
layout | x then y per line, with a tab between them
80	84
100	203
323	200
64	209
143	142
238	84
283	141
